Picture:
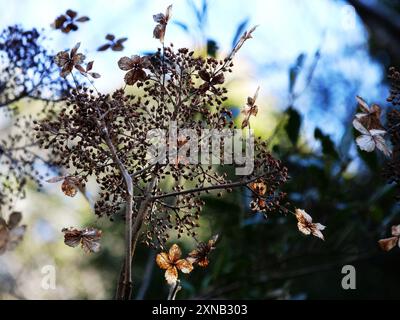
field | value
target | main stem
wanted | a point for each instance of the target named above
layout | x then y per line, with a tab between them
125	285
124	289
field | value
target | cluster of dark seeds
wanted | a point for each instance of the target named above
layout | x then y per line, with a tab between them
178	87
392	170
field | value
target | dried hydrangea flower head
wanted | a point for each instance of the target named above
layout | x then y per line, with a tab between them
172	262
200	255
67	22
306	226
88	238
162	22
113	43
135	66
67	61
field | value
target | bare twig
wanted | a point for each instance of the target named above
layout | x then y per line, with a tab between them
174	289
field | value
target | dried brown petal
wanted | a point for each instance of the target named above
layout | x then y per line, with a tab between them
14	219
71	13
126	63
58	23
204	75
171	275
104	47
80	69
159	32
89	66
89	238
61	58
174	253
70	186
388	243
83	19
72	237
135	75
94	75
163	260
184	266
306	226
110	37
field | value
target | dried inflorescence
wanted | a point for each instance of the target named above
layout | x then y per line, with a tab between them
113	43
106	136
176	87
68	22
392	169
88	238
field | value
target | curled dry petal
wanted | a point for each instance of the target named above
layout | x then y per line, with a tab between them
162	20
174	253
70	186
370	116
71	13
184	265
258	187
162	260
61	58
132	76
126	63
171	275
388	243
371	139
201	253
89	238
83	19
306	226
250	109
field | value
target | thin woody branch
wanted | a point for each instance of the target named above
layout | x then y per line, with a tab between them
208	188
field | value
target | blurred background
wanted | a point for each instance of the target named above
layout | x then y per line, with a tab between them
310	58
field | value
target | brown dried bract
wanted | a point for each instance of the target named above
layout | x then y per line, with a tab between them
67	22
162	21
70	185
250	109
389	243
88	238
200	255
171	262
68	61
370	117
113	44
135	67
306	225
